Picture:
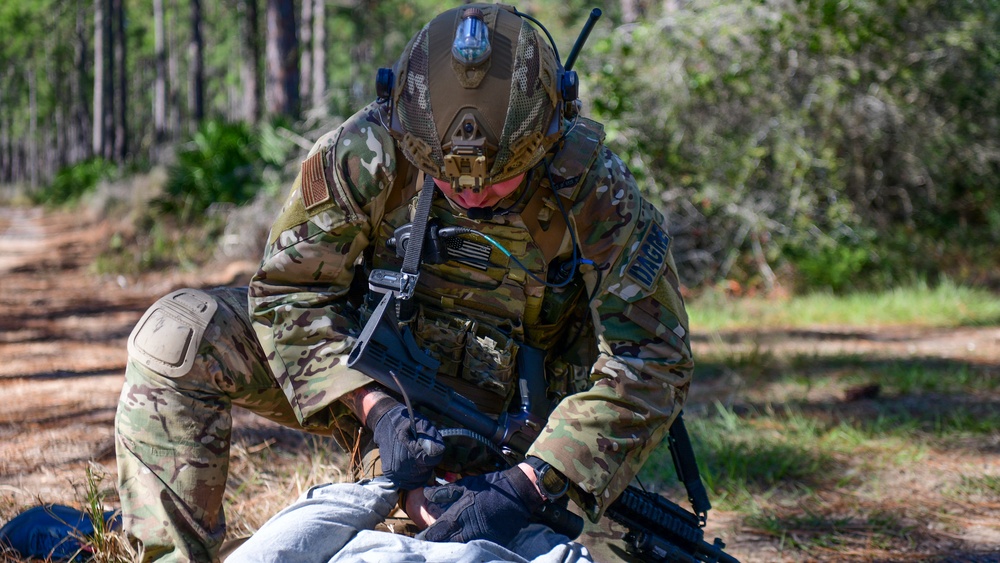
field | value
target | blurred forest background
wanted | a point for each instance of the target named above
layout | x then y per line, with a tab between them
848	150
795	144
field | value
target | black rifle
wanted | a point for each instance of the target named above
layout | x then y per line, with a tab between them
658	529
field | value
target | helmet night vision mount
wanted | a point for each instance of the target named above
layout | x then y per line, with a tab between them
479	96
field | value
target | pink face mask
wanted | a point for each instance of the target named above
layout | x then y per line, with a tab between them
489	196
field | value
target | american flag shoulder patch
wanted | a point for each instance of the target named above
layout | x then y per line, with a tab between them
315	190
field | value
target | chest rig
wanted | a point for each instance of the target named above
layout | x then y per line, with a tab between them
489	287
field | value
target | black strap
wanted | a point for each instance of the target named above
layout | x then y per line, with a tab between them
415	246
414	250
687	468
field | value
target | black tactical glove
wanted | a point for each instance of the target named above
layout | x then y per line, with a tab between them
408	458
493	507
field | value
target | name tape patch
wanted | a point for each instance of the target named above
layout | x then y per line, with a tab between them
649	259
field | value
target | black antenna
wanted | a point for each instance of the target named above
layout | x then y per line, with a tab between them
595	15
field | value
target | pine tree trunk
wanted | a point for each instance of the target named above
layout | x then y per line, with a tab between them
196	70
282	85
20	162
32	163
318	88
52	150
121	91
98	139
140	116
80	148
58	156
366	27
175	112
250	71
4	140
305	40
160	80
108	82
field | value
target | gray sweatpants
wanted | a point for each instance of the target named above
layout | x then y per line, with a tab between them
334	523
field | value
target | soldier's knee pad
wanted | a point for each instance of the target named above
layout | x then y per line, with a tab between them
167	337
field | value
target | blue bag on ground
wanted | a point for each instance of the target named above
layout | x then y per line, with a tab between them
52	532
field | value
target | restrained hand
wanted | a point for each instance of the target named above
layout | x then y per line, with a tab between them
408	456
493	507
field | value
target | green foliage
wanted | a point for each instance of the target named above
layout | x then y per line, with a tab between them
833	267
811	531
369	38
222	163
756	453
73	182
945	304
25	26
831	144
834	261
158	242
981	485
106	544
221	166
808	134
926	377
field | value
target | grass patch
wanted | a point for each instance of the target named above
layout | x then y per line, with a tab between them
979	486
810	531
759	453
779	455
266	476
943	305
157	244
870	451
744	457
943	423
751	361
895	376
923	376
268	471
108	545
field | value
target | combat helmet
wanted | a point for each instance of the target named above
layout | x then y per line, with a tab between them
477	96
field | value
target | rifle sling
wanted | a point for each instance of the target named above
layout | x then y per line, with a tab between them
415	246
687	468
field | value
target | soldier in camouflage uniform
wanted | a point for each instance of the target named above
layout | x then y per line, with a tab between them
557	250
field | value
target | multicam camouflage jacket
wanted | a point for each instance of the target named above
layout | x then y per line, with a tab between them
585	273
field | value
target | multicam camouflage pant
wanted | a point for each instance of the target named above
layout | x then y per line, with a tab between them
173	425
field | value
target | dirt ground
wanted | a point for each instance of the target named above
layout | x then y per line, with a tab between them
62	355
62	352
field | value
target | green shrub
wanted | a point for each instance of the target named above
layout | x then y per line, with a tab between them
75	181
222	163
841	262
773	127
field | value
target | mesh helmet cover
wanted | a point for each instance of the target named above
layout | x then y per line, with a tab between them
512	96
